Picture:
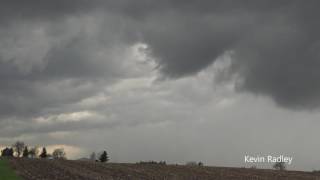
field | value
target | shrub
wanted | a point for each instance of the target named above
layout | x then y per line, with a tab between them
279	166
59	154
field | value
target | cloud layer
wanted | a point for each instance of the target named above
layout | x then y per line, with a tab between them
82	68
275	44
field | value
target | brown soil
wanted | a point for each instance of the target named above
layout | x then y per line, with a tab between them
35	169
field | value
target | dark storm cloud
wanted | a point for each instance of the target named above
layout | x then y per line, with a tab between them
281	58
37	9
275	44
275	47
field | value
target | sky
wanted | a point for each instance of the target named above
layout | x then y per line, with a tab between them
173	81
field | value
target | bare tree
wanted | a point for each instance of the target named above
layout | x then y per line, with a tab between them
59	154
18	147
93	156
33	152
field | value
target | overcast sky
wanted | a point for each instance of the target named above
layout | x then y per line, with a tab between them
178	81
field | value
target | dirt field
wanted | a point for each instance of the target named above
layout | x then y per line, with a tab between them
79	170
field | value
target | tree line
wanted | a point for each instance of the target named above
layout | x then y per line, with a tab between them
20	149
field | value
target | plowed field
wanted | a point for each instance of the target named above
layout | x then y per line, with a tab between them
35	169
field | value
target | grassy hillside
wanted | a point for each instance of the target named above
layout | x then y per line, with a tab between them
6	173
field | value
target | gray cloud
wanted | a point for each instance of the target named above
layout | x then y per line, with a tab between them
54	54
275	46
62	57
280	59
77	46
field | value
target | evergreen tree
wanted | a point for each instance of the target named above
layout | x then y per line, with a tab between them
104	157
5	152
10	152
25	153
43	153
